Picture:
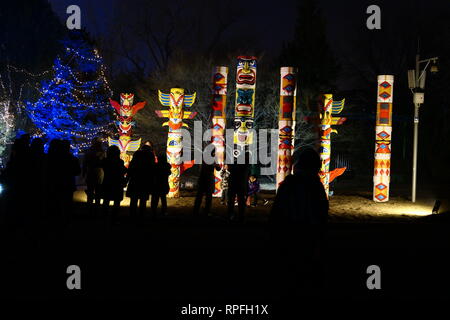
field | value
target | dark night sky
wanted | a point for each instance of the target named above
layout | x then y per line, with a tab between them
272	22
269	23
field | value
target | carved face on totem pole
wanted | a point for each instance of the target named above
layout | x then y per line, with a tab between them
126	99
125	125
126	109
126	102
246	71
176	106
243	125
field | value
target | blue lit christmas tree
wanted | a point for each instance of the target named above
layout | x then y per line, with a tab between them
74	105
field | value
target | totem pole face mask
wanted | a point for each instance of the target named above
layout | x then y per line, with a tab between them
125	126
243	126
246	71
176	105
244	101
126	101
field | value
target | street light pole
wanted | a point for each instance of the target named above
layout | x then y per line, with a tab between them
418	98
416	134
416	140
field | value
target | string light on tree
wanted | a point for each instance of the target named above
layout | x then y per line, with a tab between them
74	105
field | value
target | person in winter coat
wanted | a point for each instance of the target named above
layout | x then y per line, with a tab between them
298	222
113	180
237	188
161	186
93	173
62	167
205	188
38	179
140	175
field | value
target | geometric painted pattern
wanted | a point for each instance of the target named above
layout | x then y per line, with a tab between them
286	118
219	102
383	135
385	88
327	120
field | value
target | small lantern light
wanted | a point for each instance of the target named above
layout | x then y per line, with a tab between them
434	68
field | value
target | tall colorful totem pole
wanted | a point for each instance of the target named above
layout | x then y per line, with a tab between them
330	107
244	111
125	113
219	103
286	122
383	131
175	100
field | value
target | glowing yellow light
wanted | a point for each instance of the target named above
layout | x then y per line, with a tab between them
412	210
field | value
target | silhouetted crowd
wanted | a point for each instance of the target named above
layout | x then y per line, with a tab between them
39	186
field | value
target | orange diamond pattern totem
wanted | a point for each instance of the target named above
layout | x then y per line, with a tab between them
383	133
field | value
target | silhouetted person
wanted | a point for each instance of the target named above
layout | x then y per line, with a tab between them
237	188
113	180
93	173
161	184
16	181
150	144
53	168
298	219
205	187
62	167
38	179
140	185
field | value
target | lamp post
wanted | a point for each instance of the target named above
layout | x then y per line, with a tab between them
416	81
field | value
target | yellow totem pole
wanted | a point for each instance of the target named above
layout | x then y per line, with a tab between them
327	120
175	100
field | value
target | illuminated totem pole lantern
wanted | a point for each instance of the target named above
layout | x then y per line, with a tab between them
286	124
219	102
327	120
245	101
175	100
125	113
383	131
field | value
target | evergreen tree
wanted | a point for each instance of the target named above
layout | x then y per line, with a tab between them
74	105
310	52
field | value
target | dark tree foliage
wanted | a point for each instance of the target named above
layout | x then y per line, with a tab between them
310	52
29	34
392	50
